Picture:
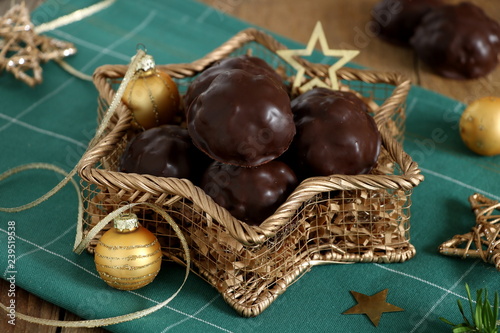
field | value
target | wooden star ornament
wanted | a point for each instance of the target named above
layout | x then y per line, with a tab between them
483	241
372	306
22	50
291	56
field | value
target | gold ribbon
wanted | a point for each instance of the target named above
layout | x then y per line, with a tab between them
72	17
68	176
80	246
68	19
80	242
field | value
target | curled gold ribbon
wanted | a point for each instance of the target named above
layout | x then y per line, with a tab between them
69	176
80	242
80	245
72	17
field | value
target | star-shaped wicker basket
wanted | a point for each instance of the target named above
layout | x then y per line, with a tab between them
338	218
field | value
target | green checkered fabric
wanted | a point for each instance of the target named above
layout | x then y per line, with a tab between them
53	123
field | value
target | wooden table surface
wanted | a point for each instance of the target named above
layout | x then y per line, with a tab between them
345	23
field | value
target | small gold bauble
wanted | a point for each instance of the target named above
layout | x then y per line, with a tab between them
152	96
128	256
480	126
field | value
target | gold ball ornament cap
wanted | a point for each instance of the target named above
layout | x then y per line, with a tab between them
151	95
126	222
128	256
145	64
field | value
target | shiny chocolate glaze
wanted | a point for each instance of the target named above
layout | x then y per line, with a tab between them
242	119
335	134
164	151
397	19
249	194
458	41
252	65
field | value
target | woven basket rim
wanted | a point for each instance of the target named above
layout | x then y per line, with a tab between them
147	186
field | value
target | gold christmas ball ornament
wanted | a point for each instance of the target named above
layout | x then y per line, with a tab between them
128	256
480	126
151	95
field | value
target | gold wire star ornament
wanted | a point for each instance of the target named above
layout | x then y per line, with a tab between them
483	241
318	35
372	306
23	51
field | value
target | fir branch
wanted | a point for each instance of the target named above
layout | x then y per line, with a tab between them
484	316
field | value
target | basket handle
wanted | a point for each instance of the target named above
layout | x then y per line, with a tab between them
104	146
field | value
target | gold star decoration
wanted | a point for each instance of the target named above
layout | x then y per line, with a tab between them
373	306
23	51
483	241
318	35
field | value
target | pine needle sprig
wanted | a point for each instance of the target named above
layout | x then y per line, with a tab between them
484	315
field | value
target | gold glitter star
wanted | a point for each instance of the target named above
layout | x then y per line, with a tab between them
318	35
373	306
483	241
22	50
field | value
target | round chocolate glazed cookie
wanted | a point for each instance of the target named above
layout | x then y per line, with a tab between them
398	19
242	119
458	41
249	194
335	134
252	65
164	151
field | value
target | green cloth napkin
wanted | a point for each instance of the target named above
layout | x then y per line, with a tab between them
53	123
